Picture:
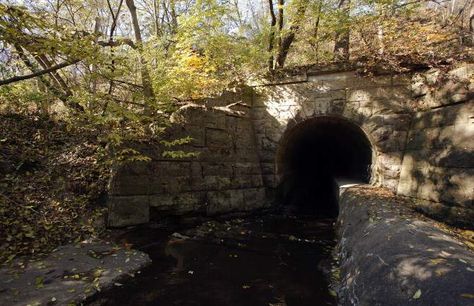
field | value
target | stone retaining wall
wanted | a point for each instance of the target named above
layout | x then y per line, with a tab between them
420	127
438	164
225	175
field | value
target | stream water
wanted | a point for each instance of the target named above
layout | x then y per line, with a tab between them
266	259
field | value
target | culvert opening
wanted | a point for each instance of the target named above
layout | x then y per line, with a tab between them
314	158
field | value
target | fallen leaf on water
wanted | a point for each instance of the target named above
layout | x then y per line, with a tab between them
118	284
245	286
39	282
467	295
437	261
417	294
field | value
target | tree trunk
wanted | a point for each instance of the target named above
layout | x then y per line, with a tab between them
146	80
156	16
316	30
271	39
288	39
64	97
281	3
471	26
342	40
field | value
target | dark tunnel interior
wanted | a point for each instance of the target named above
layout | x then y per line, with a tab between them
316	155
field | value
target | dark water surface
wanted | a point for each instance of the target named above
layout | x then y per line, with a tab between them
258	260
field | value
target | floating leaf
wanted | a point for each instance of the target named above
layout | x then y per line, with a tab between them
417	294
39	282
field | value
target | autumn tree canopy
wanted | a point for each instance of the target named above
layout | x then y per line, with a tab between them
112	56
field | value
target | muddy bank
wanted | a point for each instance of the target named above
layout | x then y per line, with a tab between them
389	256
256	260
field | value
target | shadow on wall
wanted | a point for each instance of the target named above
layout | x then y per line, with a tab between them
438	164
316	155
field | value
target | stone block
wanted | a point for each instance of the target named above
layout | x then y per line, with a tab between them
246	168
391	184
463	73
358	82
244	139
128	210
390	164
418	86
336	106
387	140
457	186
213	182
196	170
254	198
448	157
217	169
172	168
270	180
197	133
268	144
186	202
215	119
369	94
353	111
458	136
247	181
224	201
162	201
172	185
449	115
408	182
268	168
129	185
446	185
401	79
218	138
452	91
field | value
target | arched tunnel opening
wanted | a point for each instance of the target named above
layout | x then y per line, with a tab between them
315	157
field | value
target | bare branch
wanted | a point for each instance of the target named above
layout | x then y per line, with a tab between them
38	73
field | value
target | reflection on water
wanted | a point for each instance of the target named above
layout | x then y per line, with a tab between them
259	260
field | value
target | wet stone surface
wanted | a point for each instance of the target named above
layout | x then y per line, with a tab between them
259	260
69	275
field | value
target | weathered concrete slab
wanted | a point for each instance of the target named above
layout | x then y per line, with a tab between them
69	275
389	256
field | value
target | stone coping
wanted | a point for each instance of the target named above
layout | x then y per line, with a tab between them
390	256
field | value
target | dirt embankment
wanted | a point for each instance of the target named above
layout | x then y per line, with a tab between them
52	184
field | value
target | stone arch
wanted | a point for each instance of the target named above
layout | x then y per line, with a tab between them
315	155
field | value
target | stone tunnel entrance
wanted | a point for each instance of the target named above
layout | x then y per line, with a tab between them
315	157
